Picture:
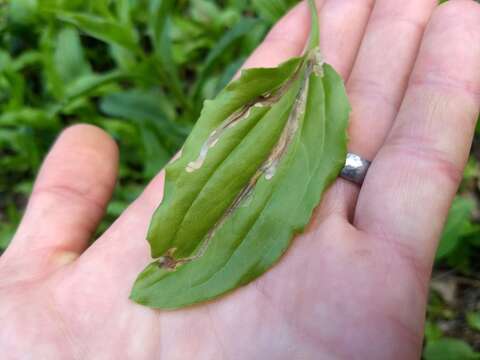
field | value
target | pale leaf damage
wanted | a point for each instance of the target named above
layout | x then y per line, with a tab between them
269	167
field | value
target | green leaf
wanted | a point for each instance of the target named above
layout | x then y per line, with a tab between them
124	58
90	82
27	58
69	56
159	31
227	40
101	28
154	116
16	91
155	153
139	105
458	220
272	10
28	116
228	74
432	331
23	11
159	11
247	180
54	84
449	349
123	11
473	320
205	12
5	61
6	235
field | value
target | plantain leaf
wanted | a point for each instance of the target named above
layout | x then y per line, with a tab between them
247	180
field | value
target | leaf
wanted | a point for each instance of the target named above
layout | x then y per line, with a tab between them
5	61
159	31
124	58
69	57
272	10
458	220
28	58
6	235
449	349
28	116
161	137
123	11
159	11
432	331
228	74
101	28
155	154
140	105
473	320
247	180
16	91
54	84
23	11
227	40
90	82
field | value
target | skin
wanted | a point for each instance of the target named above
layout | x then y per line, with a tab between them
353	286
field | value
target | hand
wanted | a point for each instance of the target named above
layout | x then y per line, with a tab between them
353	286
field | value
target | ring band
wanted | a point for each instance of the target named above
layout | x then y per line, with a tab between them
355	168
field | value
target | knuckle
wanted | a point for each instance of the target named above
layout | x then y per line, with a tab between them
447	87
70	194
375	89
397	21
421	157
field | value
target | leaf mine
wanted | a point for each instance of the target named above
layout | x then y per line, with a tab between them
247	180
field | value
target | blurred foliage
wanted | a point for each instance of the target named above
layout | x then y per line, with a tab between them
449	349
140	69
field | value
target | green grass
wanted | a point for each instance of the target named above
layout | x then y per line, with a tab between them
140	70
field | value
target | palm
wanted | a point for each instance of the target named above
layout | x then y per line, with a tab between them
352	286
323	298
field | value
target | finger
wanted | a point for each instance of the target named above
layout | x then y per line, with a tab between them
382	68
69	198
379	78
285	40
342	26
407	193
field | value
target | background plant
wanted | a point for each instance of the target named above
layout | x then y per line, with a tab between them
141	69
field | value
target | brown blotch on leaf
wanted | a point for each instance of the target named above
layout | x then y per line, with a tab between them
167	263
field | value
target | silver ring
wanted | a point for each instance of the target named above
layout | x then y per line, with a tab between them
355	169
